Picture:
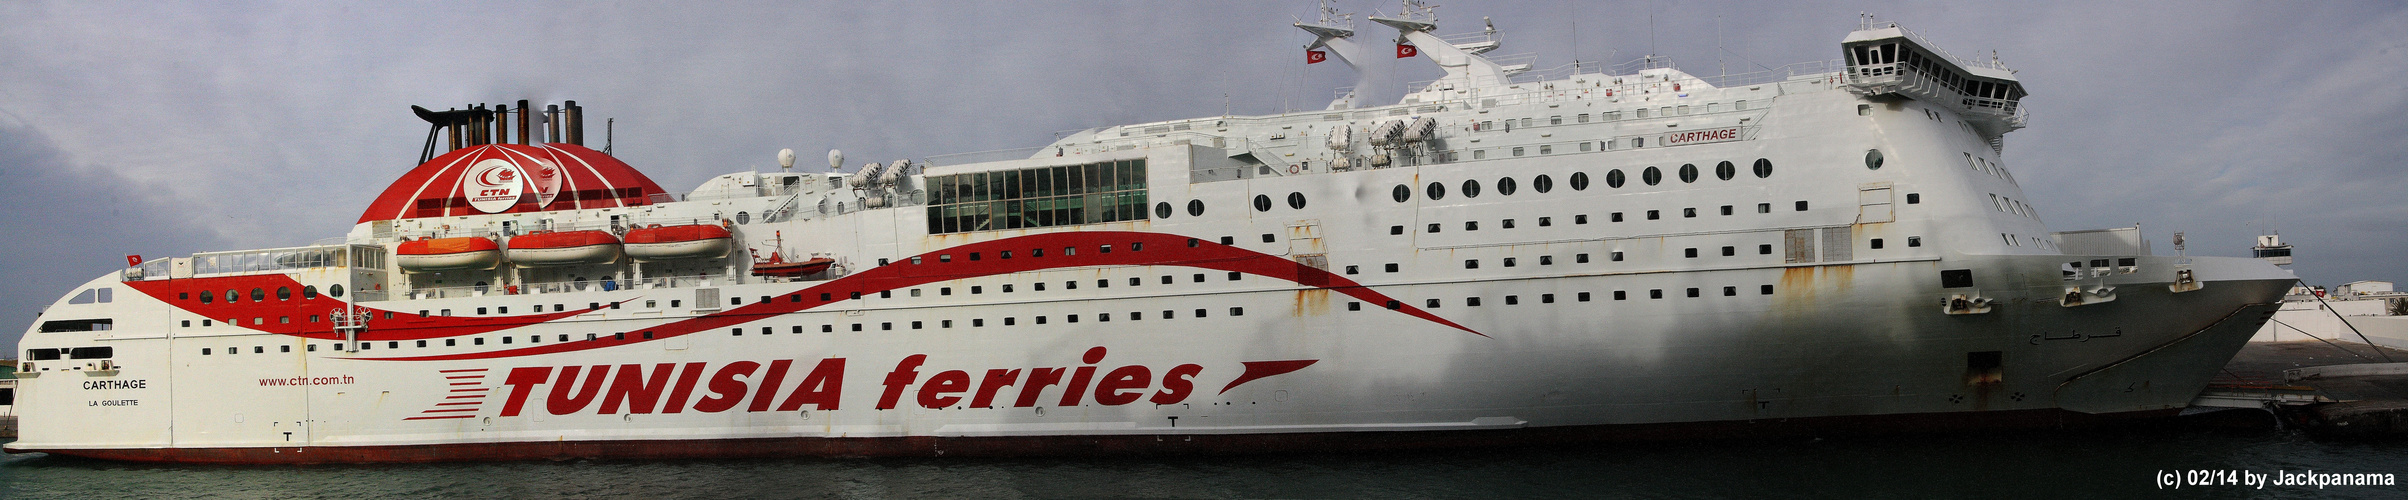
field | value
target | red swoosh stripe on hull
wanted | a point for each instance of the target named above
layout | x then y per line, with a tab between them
404	326
1161	249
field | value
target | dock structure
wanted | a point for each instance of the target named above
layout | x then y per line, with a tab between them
2339	389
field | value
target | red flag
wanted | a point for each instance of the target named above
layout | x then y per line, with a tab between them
1404	51
133	260
1315	56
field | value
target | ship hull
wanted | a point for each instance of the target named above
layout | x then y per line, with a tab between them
1645	256
1184	444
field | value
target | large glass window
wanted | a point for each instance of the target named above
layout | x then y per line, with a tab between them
1038	197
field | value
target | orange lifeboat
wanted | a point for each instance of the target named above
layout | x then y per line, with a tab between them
563	248
684	241
447	254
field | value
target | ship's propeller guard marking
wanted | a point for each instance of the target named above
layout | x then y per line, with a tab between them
1163	249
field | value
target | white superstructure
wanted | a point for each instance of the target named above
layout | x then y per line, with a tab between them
1507	255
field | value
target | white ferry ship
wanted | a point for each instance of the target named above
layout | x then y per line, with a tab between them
1506	255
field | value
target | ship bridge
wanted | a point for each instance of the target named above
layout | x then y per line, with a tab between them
1893	61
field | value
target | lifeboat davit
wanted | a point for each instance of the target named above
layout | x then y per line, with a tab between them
684	241
447	254
563	248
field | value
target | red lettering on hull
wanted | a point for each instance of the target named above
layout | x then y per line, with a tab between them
638	388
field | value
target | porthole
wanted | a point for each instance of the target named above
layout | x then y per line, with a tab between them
1614	178
1162	210
1296	201
284	293
311	291
334	290
1262	203
207	297
1651	176
1401	193
1436	191
1542	183
1688	172
259	295
1873	159
743	217
1764	168
1725	170
1505	186
1471	188
1580	181
1195	208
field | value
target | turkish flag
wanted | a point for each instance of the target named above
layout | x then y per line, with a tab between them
133	260
1404	51
1315	56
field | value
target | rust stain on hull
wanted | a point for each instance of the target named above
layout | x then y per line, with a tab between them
1312	302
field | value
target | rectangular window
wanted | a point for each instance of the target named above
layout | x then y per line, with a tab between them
1621	295
1654	214
1730	291
1692	293
1726	210
1764	208
1616	256
1036	197
1617	217
1584	296
1801	205
1689	253
1580	219
1656	293
1730	251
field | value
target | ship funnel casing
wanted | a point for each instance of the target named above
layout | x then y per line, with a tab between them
441	187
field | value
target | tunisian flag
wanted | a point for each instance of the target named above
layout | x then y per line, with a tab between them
1404	51
1315	56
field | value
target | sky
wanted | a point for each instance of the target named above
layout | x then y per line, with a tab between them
164	129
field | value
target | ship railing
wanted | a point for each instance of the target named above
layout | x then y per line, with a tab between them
983	156
617	228
1783	74
1907	79
550	287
